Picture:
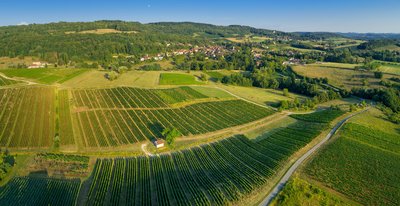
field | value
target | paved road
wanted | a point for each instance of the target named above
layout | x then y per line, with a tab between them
293	168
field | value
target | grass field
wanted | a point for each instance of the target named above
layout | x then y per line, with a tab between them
299	192
212	92
178	79
262	96
94	78
27	117
215	75
362	163
390	68
340	75
101	31
374	119
391	47
255	39
45	76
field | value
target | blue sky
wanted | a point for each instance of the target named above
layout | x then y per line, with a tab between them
286	15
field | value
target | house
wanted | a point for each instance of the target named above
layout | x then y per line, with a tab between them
159	143
36	65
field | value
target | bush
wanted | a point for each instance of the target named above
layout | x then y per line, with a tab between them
378	74
112	75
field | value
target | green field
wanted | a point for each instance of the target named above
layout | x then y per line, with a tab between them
178	79
271	97
45	76
212	92
299	192
323	116
363	164
27	117
34	117
340	75
6	82
65	126
119	116
217	173
390	68
180	94
40	191
215	75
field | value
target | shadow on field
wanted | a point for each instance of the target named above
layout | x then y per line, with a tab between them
156	128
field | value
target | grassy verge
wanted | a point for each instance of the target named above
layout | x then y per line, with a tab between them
299	192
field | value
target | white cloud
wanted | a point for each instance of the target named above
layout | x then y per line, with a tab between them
22	23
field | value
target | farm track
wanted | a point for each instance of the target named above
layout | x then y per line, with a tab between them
280	185
19	80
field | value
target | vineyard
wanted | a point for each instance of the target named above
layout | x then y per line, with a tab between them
323	116
6	82
362	163
27	117
217	173
37	117
128	97
213	174
39	191
120	116
66	132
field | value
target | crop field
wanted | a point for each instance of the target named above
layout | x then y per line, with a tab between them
119	116
118	127
217	173
45	76
178	79
27	117
6	82
363	164
66	132
323	116
179	94
39	191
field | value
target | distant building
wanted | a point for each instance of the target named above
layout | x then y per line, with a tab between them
36	65
159	143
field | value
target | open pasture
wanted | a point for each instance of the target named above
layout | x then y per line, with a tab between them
340	75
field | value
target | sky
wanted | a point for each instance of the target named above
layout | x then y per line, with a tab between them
378	16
